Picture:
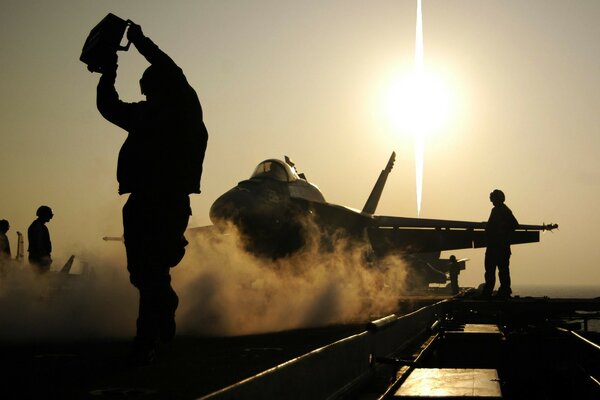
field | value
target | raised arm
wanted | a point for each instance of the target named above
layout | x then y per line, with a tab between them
108	102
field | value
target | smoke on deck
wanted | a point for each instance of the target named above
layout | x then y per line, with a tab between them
223	290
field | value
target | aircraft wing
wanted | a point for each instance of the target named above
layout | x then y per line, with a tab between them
388	233
205	230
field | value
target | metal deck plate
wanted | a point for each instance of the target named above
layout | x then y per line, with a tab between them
481	328
450	382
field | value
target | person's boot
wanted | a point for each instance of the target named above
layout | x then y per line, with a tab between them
502	294
143	352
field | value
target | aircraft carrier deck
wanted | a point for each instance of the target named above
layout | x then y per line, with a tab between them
433	348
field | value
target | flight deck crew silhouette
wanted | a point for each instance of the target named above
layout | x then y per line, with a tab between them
38	236
454	271
4	242
159	165
499	229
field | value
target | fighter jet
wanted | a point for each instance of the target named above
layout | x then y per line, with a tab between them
278	212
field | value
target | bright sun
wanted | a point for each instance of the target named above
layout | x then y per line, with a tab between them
418	103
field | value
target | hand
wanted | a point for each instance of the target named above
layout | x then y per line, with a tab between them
134	33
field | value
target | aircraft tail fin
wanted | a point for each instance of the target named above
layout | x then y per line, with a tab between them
373	200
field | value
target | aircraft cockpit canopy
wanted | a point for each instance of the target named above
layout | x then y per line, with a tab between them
276	170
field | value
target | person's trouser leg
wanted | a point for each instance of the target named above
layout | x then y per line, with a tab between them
153	231
158	302
41	265
490	273
504	276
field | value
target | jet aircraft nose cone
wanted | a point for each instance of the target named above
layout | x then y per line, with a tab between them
251	206
228	207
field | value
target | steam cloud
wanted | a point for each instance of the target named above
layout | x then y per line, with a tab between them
227	291
223	290
100	303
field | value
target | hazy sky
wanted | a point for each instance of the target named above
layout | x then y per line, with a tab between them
309	79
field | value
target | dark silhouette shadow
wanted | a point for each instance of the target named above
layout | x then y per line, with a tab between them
500	226
40	246
4	242
159	165
453	272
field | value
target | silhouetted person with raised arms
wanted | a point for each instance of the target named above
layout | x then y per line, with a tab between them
38	236
159	165
4	242
499	229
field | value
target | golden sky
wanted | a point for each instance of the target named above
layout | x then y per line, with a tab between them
309	79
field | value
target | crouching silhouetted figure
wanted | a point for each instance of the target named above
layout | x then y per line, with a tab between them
499	229
159	165
40	246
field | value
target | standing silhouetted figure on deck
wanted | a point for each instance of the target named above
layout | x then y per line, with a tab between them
454	271
38	236
159	165
499	229
4	242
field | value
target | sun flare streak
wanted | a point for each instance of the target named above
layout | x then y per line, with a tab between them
419	135
418	104
419	162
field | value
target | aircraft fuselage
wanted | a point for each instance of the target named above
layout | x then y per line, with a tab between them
278	212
